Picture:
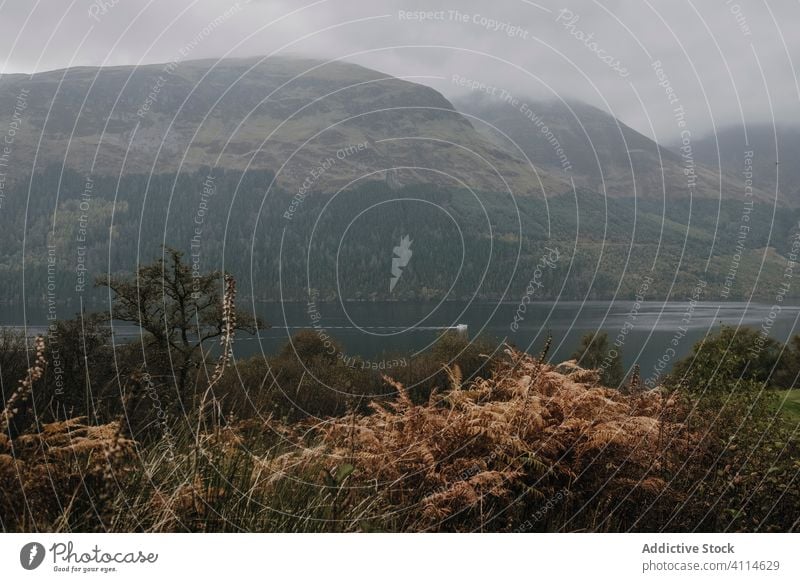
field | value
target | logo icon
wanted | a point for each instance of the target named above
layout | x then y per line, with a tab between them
31	555
402	254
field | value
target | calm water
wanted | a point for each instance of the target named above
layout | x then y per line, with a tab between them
374	330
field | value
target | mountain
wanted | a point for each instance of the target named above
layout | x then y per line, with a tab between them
599	152
309	122
775	151
293	174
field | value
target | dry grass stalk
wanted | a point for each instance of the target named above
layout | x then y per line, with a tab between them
228	333
23	391
228	329
635	382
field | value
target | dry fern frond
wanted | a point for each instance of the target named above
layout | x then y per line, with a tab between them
455	376
527	429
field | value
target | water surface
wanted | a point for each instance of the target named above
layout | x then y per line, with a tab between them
644	331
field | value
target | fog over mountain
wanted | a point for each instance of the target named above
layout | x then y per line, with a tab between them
600	153
726	63
322	124
291	172
772	152
616	131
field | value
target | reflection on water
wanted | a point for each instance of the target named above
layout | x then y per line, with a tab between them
371	330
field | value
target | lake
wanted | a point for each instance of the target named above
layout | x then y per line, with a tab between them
647	332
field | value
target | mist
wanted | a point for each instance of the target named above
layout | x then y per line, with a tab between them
724	63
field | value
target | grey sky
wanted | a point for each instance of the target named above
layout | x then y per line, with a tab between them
726	61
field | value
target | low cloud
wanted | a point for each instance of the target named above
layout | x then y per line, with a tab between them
724	62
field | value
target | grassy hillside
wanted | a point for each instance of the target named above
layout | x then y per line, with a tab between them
601	153
287	115
790	404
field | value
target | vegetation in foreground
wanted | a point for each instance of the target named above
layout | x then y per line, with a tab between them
466	438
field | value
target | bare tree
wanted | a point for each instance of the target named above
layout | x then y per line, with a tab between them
181	310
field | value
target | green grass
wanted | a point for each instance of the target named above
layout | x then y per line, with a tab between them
790	403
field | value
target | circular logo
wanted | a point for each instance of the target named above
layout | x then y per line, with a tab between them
31	555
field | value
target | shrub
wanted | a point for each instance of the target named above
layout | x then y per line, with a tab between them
735	478
730	355
307	379
595	352
475	358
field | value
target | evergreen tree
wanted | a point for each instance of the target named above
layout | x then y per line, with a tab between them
596	352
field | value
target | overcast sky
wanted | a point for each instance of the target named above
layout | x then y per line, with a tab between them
724	61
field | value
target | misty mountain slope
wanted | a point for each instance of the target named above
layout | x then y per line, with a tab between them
237	128
286	115
598	151
768	145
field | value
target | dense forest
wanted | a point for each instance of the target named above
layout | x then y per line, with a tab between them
465	244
